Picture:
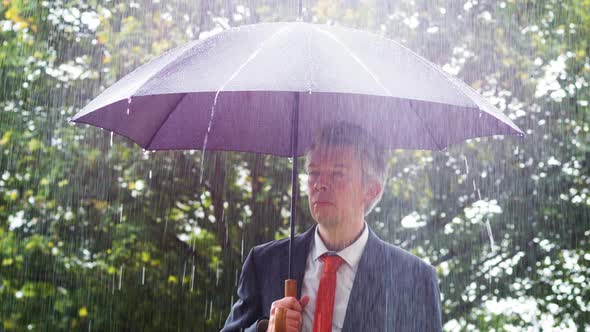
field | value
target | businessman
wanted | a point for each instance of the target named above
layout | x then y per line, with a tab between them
347	278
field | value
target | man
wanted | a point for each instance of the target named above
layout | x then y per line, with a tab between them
347	278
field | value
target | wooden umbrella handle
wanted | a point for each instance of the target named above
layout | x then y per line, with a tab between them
281	320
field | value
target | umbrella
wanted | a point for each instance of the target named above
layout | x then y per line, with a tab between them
267	88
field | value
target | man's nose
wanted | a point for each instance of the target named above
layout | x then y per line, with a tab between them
320	184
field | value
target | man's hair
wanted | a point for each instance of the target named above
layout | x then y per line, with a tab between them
370	153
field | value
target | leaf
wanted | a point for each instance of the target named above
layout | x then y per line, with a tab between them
34	145
6	137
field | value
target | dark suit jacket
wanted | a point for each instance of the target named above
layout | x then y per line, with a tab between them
393	290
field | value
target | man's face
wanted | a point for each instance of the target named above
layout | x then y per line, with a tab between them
335	185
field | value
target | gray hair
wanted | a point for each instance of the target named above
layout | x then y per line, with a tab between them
371	154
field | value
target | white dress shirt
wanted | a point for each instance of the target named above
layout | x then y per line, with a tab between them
344	278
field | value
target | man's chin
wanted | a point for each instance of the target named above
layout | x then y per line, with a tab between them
326	221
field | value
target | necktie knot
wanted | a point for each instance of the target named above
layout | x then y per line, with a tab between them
331	263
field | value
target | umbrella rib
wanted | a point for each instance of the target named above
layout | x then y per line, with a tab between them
359	62
165	120
233	76
462	88
250	58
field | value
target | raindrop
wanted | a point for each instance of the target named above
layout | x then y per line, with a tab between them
120	275
193	278
183	273
466	165
150	176
143	275
490	235
242	250
386	310
121	213
217	274
210	309
128	104
165	226
226	232
111	138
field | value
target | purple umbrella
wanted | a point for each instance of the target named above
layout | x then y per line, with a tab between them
267	88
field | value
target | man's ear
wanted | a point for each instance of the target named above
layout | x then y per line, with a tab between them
373	189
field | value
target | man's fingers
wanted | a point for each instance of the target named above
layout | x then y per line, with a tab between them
293	319
294	315
287	302
304	301
290	315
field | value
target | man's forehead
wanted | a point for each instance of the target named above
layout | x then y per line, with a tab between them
334	155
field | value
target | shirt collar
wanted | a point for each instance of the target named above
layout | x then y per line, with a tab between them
351	254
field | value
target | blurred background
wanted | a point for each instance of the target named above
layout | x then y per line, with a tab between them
97	234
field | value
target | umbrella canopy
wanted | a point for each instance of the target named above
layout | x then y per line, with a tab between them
239	90
268	88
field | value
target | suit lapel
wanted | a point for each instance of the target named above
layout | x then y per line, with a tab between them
366	305
365	309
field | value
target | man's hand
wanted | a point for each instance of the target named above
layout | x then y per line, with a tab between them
294	314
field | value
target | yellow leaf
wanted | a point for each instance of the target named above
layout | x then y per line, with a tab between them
83	312
34	145
13	15
62	183
172	280
8	324
6	137
145	256
7	261
100	205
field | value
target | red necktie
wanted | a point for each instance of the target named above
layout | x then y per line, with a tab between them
324	308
